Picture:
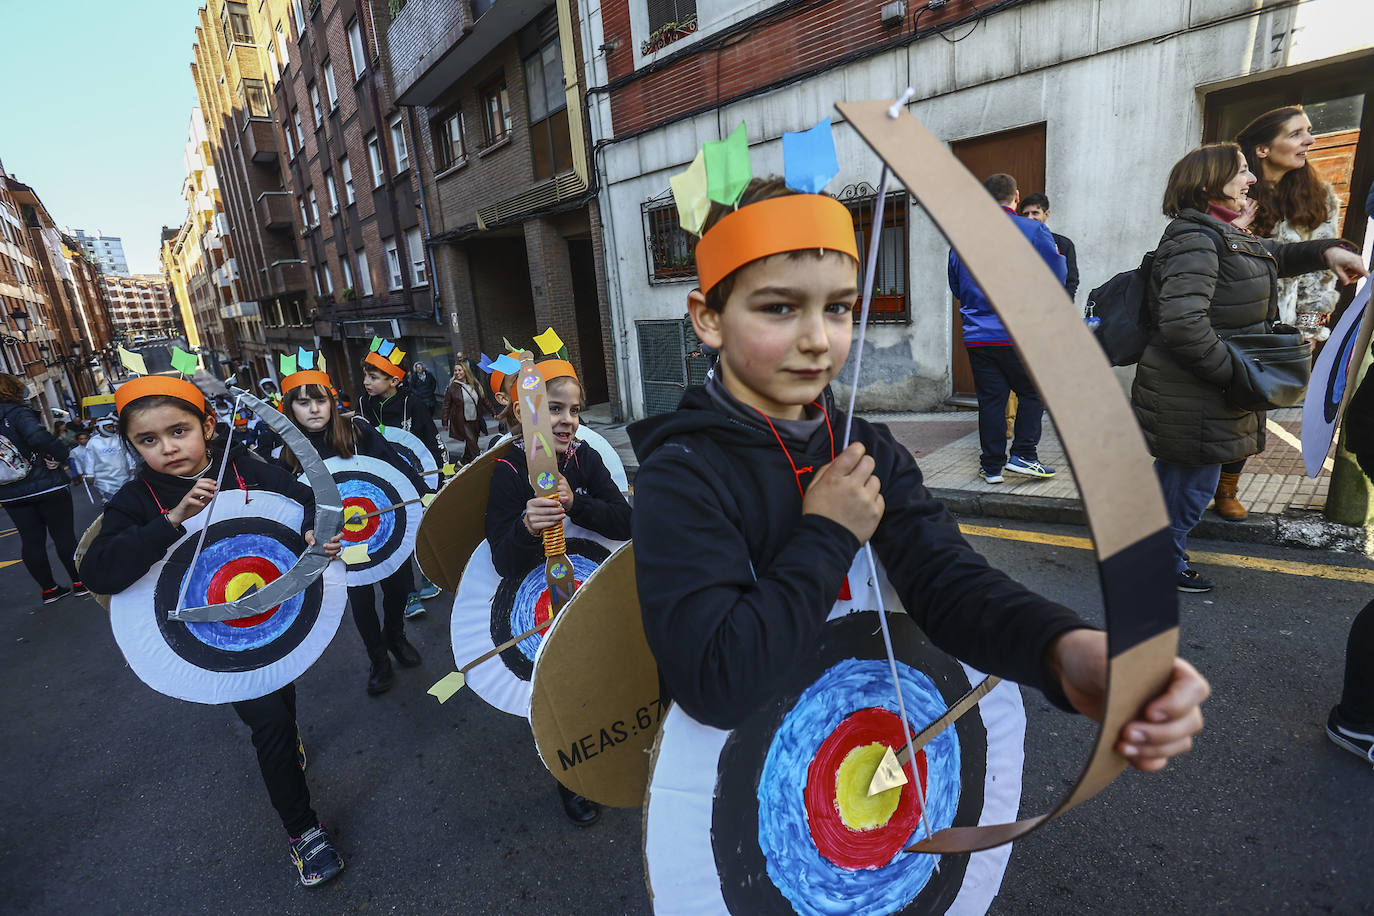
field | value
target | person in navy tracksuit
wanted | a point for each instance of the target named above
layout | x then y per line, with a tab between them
997	370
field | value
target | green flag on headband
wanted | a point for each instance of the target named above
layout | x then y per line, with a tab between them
288	364
184	362
727	167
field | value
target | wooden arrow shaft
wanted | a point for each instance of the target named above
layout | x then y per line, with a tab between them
375	512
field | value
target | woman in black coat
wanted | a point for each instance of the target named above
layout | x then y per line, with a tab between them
39	503
1210	281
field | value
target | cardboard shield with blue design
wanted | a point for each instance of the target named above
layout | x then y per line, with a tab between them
247	546
409	447
365	486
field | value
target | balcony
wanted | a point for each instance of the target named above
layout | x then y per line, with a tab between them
285	277
274	210
238	310
260	141
433	43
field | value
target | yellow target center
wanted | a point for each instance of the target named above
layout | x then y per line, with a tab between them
857	809
238	586
353	518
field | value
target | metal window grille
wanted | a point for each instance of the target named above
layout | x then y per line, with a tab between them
662	12
670	248
670	359
891	302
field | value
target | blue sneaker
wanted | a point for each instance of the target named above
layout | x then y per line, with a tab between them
413	606
315	857
1028	468
427	589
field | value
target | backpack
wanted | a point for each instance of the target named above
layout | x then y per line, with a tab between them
14	467
1118	311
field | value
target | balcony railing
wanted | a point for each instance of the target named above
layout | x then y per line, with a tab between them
285	277
433	43
260	141
274	210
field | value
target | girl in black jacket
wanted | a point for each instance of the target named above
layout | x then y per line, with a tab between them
516	518
309	403
170	424
39	504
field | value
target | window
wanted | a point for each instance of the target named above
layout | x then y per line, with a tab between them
364	273
550	142
298	17
374	157
449	148
329	188
890	302
314	209
496	112
398	145
670	246
328	279
415	249
253	99
347	271
300	129
315	105
283	49
305	214
330	91
393	264
670	20
238	28
272	59
355	45
290	140
319	284
348	180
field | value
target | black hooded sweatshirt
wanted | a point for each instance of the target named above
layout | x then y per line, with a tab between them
598	505
735	582
135	532
406	410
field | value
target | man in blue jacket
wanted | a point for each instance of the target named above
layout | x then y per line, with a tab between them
997	370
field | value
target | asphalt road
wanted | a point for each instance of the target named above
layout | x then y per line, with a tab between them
116	799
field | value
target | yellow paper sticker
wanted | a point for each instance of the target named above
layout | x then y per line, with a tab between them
354	554
447	686
549	342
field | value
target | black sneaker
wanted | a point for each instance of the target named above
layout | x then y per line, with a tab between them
315	857
1190	581
1359	743
79	590
581	810
56	593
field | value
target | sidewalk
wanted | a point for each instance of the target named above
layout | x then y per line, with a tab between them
1285	505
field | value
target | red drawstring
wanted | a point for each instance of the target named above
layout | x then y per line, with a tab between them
237	476
796	471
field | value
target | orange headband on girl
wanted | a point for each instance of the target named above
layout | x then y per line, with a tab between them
149	385
795	222
306	377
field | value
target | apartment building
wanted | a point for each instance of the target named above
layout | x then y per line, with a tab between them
141	307
1090	103
352	175
502	148
108	250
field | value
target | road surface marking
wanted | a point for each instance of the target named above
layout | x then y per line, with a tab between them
4	563
1293	441
1261	564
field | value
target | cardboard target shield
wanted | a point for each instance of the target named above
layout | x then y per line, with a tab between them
409	447
490	609
595	704
84	545
246	547
455	522
367	485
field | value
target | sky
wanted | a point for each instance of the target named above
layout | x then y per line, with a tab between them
95	97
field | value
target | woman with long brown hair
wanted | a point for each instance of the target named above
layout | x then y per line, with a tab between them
1210	281
1292	204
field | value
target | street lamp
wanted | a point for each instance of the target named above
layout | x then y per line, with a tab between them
21	321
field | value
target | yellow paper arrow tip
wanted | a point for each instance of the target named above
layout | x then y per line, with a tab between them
449	470
354	554
426	499
889	774
447	686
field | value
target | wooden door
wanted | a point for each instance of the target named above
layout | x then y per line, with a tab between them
1020	153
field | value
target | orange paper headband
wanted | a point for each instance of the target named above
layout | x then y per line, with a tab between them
306	377
149	385
795	222
550	369
385	365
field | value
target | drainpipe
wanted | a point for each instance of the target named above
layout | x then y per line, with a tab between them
434	296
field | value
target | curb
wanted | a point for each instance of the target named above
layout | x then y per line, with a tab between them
1309	530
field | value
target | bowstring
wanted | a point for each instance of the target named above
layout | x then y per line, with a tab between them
870	270
209	509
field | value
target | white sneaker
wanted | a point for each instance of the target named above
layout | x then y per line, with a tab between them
1028	468
990	476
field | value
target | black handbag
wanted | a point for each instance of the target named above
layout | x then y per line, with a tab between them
1275	369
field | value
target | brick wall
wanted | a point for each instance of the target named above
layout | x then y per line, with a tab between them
786	45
